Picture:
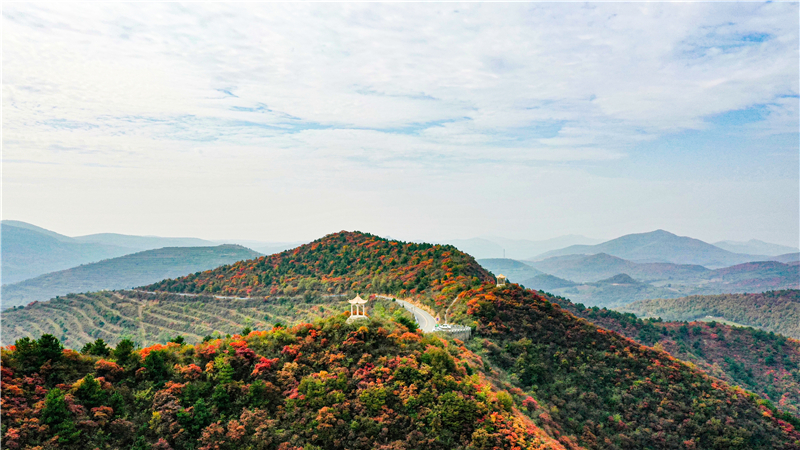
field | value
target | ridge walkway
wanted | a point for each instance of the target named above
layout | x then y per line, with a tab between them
428	324
424	319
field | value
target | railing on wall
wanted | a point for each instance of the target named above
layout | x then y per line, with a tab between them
456	331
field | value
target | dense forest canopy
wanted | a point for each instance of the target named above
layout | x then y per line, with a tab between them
324	386
342	262
777	311
757	360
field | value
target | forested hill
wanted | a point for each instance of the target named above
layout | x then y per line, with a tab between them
342	262
331	385
777	311
757	360
534	376
603	390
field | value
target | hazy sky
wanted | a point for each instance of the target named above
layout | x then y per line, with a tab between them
420	121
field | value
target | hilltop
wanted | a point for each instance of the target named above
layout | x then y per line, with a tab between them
303	283
342	262
567	382
123	272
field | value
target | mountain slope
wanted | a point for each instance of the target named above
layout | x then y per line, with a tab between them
603	390
788	258
581	385
777	311
342	262
755	247
752	277
28	251
659	246
123	272
762	362
332	385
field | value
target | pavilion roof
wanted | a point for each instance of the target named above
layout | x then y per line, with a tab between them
358	300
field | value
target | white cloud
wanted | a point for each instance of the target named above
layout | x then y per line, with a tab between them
316	94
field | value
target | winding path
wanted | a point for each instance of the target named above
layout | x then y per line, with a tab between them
424	319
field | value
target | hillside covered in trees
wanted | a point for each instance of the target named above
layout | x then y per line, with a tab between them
338	263
329	385
536	375
777	311
759	361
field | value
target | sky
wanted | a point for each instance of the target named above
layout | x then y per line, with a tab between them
421	121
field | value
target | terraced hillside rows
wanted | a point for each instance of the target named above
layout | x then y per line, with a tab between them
155	318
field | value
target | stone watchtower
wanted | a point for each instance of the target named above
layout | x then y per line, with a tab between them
359	304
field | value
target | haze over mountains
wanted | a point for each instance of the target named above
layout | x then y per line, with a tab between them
50	264
29	251
755	247
127	271
499	247
659	246
591	275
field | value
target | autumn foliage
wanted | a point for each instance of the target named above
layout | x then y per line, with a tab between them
535	375
342	262
329	385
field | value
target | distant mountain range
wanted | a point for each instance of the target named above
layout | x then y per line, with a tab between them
143	242
29	251
589	268
605	280
498	247
511	268
124	272
660	246
536	376
660	263
755	247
